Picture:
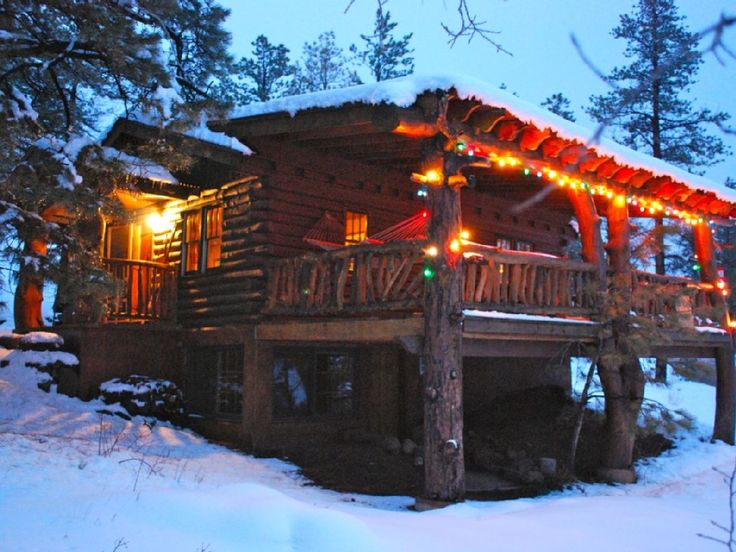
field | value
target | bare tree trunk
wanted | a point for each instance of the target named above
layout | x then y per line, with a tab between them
29	290
623	381
621	375
444	463
580	416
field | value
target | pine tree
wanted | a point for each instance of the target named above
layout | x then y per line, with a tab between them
64	67
267	73
386	57
559	104
323	67
649	105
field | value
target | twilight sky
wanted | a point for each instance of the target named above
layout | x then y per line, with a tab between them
536	32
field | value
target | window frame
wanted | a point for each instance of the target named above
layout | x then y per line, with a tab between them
212	362
350	227
204	239
315	394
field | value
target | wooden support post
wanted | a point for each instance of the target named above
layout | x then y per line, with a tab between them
725	420
619	369
444	464
590	233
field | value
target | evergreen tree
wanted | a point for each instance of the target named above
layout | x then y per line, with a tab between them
323	67
386	57
649	105
267	73
559	104
64	67
649	108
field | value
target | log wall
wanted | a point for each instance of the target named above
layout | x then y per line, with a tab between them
268	215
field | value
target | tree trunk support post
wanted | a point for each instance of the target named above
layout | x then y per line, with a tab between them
619	369
444	463
725	419
590	233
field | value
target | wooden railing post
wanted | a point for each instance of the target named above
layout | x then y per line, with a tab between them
725	419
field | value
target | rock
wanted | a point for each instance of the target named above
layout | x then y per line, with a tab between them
40	341
612	475
534	477
392	445
408	446
548	466
144	396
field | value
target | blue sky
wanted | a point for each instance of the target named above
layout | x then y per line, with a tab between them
536	32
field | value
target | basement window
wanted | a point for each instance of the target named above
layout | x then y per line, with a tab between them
213	382
312	383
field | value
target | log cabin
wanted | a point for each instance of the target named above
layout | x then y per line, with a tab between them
392	255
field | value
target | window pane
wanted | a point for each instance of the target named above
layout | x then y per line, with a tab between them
356	227
213	235
291	385
503	243
192	240
522	245
213	382
334	384
229	400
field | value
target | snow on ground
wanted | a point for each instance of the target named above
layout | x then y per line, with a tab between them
72	479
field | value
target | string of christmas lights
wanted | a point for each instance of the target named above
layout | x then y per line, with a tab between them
644	204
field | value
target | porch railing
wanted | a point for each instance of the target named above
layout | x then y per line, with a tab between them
147	290
383	278
531	283
664	295
355	279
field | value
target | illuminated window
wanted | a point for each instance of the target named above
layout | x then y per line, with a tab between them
192	240
213	236
202	239
356	227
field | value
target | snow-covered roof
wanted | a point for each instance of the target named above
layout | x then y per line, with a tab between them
142	168
200	131
404	91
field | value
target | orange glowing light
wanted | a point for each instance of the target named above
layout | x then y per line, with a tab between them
433	176
431	251
455	246
464	235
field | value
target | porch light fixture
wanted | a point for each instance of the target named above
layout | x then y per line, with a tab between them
159	223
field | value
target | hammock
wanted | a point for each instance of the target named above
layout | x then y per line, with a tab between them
413	228
327	233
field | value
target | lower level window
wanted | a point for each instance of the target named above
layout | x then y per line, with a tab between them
312	383
214	381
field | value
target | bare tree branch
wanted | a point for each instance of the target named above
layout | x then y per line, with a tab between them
470	26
